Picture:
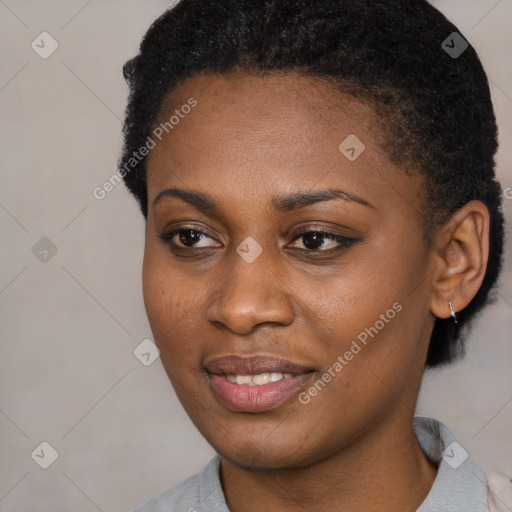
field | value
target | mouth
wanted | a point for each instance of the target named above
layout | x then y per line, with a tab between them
256	383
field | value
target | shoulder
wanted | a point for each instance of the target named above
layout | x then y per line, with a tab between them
460	483
181	497
187	495
500	491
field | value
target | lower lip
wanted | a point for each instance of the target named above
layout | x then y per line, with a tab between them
242	397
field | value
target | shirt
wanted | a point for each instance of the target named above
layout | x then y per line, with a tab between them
460	485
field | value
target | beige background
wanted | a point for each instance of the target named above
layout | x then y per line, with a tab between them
69	326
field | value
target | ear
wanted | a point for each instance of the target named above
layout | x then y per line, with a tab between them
461	250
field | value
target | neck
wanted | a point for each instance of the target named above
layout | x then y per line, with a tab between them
384	470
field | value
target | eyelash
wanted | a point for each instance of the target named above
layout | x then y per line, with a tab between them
343	241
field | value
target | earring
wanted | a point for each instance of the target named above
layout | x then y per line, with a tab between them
452	312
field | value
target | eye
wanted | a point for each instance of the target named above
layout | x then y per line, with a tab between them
314	240
323	241
183	238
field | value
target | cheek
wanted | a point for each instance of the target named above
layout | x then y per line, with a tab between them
155	288
172	300
169	301
166	298
377	315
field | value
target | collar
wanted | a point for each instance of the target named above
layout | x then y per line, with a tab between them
460	484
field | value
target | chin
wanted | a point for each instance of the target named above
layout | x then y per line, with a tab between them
262	462
261	454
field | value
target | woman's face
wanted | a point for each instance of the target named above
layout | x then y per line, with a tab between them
244	280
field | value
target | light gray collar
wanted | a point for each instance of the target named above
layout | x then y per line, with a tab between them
460	485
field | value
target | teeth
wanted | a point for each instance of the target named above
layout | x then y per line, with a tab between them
243	379
259	379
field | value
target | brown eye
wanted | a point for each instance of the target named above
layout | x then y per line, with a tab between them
323	241
185	238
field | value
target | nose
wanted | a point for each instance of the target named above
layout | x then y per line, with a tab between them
250	294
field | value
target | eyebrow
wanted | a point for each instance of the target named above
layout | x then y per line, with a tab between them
286	203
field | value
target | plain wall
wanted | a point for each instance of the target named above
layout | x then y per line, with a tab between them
68	375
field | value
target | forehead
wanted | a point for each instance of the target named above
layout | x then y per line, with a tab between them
288	130
288	87
263	103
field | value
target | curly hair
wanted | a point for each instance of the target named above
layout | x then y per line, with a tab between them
434	108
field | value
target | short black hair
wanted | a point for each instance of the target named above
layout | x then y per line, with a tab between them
434	105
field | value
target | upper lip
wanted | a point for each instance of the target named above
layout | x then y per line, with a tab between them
252	365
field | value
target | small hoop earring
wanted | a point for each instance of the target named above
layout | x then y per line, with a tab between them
452	312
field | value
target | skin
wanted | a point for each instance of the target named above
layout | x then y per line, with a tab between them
352	447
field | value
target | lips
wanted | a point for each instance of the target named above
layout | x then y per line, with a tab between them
242	397
253	365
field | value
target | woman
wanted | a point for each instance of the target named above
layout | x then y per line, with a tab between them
322	223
